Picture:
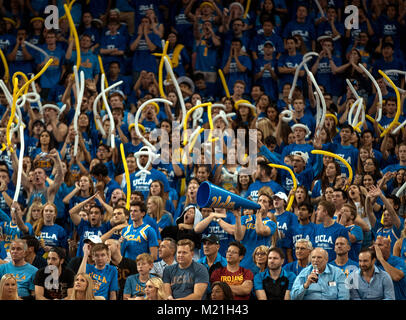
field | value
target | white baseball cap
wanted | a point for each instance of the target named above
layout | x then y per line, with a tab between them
280	195
92	238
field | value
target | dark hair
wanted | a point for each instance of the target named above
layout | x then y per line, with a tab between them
396	200
59	251
228	293
308	206
198	76
96	206
99	169
371	252
138	193
343	193
52	141
32	241
347	126
278	251
240	247
264	166
139	204
126	211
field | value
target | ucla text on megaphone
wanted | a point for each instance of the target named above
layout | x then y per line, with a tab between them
211	196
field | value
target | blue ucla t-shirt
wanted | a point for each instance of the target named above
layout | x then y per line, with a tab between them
287	223
326	237
104	280
257	185
252	240
143	181
25	277
53	74
138	240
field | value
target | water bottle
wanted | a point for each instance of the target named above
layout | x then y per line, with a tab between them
316	271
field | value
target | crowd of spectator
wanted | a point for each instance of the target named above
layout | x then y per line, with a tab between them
341	238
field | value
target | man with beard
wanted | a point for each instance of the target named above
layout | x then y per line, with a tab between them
274	283
61	284
371	283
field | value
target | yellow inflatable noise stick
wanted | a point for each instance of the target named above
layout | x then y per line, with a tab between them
373	120
23	75
336	156
160	70
75	35
292	196
399	107
207	104
13	112
127	177
5	64
247	9
223	81
17	94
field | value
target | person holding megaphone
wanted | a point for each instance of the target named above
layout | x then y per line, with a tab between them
255	229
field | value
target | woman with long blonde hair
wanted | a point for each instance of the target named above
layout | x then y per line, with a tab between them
154	290
156	209
8	287
34	212
83	288
266	127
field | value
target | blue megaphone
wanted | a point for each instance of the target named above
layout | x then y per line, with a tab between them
212	196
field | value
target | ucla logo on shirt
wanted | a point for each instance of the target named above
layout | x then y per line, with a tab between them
282	227
302	33
323	239
46	236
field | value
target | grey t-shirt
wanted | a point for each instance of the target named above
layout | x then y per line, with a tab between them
182	281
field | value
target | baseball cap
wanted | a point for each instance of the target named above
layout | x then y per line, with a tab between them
92	238
269	42
211	237
301	154
280	195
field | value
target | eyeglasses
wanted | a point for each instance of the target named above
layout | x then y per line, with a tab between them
260	253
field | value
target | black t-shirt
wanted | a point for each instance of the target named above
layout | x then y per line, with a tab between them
125	268
54	287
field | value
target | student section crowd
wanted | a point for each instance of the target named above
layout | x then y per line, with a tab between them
66	198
